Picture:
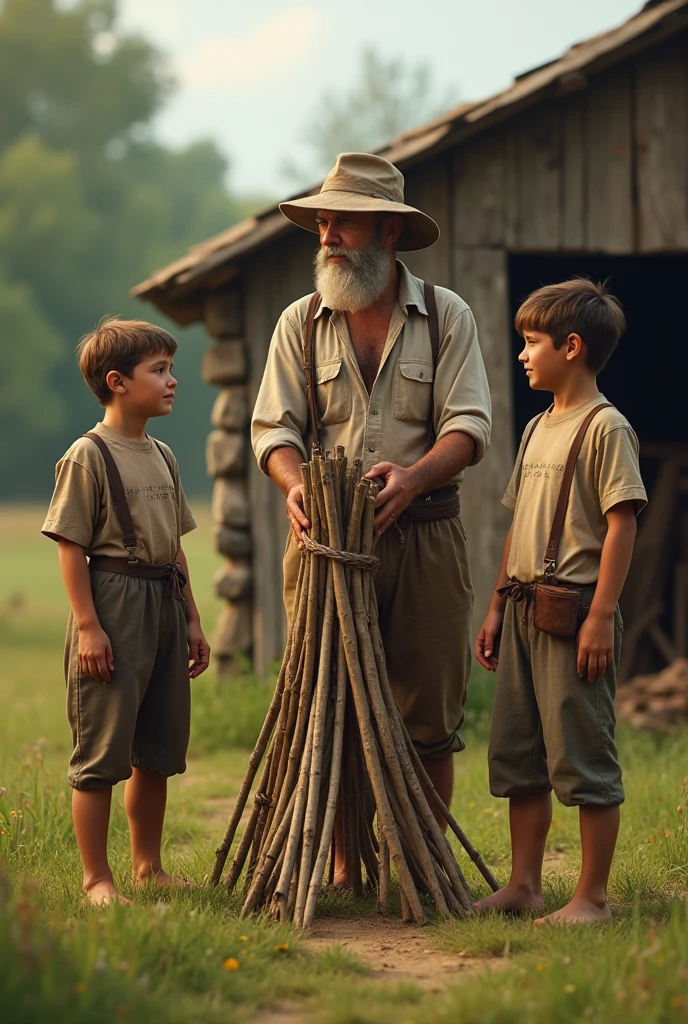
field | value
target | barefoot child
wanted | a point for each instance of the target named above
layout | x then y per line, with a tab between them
134	626
553	719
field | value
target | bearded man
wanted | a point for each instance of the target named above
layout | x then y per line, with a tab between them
399	381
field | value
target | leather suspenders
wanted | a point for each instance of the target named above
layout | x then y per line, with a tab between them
309	366
119	496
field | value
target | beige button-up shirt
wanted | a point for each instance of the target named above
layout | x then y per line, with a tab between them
392	422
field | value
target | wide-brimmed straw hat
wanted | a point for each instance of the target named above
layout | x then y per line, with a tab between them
362	182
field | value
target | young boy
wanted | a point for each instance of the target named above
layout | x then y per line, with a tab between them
134	626
553	719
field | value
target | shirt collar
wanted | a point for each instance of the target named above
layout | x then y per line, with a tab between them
410	293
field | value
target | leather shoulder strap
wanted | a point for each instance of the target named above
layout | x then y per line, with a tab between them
526	443
565	490
119	496
309	367
434	330
165	456
433	320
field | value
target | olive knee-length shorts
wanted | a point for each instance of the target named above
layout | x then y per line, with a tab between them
550	728
140	718
425	602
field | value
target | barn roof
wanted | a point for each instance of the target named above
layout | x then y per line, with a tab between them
177	288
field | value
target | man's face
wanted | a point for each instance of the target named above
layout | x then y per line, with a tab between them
346	230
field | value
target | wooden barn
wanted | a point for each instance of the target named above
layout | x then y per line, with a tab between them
580	167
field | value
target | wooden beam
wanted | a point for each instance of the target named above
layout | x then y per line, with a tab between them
482	280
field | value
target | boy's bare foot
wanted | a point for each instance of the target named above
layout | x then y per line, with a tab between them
578	911
162	880
511	899
102	894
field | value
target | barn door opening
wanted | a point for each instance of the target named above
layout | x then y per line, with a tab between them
646	379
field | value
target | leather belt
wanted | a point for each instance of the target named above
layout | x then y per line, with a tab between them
170	573
442	503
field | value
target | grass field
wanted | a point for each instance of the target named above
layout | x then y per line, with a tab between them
188	958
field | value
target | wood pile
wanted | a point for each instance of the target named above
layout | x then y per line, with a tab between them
333	735
656	701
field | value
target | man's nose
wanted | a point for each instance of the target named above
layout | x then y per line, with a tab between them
330	236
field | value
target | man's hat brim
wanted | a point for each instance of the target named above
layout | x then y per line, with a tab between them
419	232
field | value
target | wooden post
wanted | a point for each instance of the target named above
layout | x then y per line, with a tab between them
225	367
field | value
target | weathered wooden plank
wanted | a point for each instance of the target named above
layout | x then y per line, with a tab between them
225	363
479	191
661	104
223	312
573	184
539	178
513	217
482	280
609	160
427	188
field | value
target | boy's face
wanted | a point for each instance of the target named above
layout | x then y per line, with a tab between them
548	367
150	389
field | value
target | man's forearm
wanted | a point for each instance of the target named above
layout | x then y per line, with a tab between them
284	468
449	456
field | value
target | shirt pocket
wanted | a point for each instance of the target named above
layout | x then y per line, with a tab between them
412	401
333	394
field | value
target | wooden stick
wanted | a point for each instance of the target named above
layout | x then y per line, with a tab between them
358	688
384	887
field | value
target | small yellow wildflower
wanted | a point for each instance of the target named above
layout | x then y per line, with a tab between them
541	967
652	839
282	947
244	938
569	989
80	988
230	964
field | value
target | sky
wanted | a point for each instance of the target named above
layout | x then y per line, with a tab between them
250	73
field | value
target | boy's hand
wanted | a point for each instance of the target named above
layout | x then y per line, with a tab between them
199	649
95	653
595	646
487	643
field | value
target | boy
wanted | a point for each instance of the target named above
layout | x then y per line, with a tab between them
553	719
134	626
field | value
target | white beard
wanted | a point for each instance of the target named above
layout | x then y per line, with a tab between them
356	284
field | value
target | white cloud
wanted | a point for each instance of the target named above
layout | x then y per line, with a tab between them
259	54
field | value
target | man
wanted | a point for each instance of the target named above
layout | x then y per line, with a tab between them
416	418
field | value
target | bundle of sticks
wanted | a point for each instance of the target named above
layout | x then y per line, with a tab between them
334	734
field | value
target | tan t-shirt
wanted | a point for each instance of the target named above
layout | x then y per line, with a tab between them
607	473
82	509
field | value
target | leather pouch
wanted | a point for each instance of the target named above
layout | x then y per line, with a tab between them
555	609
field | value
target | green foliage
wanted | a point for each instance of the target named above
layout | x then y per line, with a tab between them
90	204
389	97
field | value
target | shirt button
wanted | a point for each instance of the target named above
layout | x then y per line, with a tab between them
421	374
371	450
373	412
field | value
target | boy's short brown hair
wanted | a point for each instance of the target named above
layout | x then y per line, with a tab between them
119	345
578	306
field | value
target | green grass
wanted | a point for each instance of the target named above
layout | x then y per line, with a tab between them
163	960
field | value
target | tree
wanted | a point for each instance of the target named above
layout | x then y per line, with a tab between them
389	98
90	203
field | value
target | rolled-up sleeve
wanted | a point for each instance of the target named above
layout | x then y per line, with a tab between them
280	415
461	393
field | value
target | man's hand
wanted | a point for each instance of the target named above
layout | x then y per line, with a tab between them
295	513
595	646
487	642
95	653
199	649
399	490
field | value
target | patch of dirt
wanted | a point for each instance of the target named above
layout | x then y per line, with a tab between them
395	951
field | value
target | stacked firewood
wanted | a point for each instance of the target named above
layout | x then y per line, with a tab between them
656	701
333	735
